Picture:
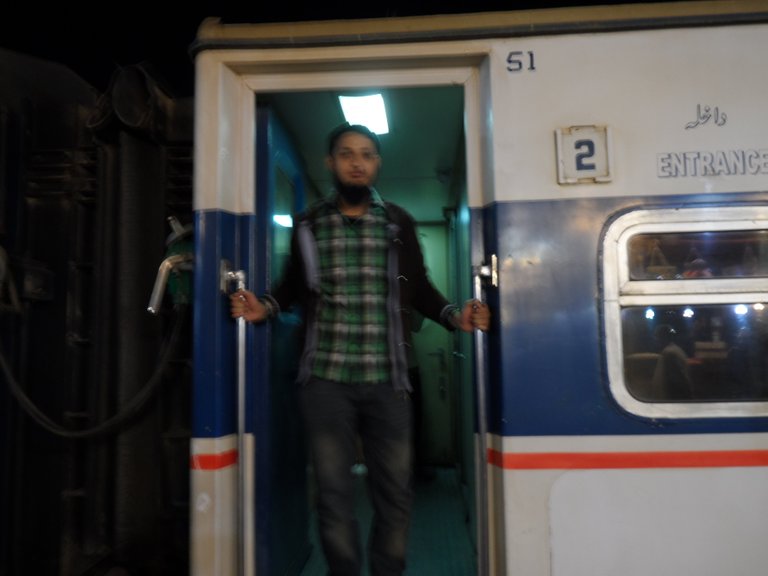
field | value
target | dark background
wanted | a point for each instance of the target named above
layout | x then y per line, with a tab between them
95	41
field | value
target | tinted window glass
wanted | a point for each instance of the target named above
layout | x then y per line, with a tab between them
696	353
694	255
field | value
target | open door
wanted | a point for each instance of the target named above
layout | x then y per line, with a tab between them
280	487
431	185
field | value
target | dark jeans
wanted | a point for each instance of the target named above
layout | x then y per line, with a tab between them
335	415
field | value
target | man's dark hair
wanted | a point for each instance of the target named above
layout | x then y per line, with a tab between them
337	132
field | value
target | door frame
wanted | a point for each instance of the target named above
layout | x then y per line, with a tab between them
227	86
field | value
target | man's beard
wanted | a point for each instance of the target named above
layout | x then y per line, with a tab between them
352	195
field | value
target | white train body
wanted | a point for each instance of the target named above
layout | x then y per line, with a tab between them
586	131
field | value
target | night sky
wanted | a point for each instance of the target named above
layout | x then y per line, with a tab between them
94	42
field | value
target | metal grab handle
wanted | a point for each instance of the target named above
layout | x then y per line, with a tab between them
158	291
481	464
244	506
489	272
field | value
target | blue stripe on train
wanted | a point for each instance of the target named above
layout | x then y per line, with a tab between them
546	366
547	371
219	236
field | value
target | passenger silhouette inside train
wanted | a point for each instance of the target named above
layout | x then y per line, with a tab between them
671	377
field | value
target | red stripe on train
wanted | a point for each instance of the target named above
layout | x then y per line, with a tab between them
213	461
571	460
587	460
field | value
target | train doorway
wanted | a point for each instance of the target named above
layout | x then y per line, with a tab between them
424	170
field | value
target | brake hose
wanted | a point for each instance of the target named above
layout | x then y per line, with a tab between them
131	409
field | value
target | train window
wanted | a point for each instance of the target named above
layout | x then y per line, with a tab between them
686	311
690	353
664	256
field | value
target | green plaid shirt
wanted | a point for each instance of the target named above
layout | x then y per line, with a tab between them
351	317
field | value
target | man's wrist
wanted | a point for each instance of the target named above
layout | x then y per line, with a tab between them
451	316
270	305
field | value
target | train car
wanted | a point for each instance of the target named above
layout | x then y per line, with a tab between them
599	176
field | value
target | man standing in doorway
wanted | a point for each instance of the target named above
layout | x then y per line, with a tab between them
357	270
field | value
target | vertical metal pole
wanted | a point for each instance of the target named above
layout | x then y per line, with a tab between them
491	273
481	459
242	508
243	502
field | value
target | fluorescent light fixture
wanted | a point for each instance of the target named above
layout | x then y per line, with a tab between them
283	220
366	110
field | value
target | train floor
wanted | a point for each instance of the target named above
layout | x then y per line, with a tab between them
439	543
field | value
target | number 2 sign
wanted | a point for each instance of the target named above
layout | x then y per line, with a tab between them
583	154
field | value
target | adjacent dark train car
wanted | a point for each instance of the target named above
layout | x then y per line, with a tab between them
95	407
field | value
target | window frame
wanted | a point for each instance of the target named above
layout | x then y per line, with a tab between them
619	291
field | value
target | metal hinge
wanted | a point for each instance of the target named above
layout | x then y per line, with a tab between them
489	271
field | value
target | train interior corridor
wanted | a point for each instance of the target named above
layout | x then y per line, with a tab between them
439	540
423	170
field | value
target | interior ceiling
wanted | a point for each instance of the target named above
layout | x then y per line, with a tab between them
419	154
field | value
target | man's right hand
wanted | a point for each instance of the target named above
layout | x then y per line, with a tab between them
244	304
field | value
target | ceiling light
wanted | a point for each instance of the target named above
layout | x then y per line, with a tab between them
366	110
283	220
